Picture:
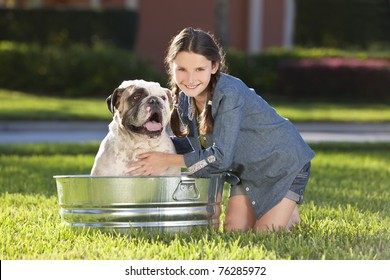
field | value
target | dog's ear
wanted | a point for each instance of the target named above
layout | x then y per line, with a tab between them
169	95
113	99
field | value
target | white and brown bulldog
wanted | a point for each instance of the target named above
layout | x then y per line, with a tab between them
141	112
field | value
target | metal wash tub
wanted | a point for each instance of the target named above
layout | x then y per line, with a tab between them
177	203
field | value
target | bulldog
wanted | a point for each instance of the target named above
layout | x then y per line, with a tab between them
141	112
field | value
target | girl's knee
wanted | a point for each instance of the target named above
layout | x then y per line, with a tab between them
280	217
240	215
295	218
242	224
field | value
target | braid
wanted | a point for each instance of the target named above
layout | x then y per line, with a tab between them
206	120
176	124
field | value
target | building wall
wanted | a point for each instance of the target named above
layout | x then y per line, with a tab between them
272	23
159	21
85	3
238	24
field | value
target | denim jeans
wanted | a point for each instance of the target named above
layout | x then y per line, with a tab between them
295	191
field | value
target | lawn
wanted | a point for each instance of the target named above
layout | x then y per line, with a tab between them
16	105
22	106
346	214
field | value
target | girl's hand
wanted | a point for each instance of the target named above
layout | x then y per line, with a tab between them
148	164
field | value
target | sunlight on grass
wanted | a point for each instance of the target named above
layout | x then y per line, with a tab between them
346	214
21	106
334	112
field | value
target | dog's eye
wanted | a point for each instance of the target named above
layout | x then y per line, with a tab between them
163	97
135	97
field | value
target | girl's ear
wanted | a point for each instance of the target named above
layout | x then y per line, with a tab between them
215	67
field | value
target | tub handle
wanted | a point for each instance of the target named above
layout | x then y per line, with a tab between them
186	190
231	178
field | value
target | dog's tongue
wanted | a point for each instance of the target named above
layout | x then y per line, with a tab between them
153	126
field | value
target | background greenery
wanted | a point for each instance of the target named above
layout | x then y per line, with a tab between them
65	27
83	53
82	71
78	71
347	24
278	75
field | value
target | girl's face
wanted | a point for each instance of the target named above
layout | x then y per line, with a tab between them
192	73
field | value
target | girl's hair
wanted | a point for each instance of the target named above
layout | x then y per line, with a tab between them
199	42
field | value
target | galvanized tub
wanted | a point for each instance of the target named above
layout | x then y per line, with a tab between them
156	204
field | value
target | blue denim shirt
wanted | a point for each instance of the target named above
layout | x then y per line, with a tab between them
250	139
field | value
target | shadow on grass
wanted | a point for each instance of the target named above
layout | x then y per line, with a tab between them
29	169
351	174
50	149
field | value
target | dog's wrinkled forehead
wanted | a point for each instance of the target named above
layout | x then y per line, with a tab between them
151	87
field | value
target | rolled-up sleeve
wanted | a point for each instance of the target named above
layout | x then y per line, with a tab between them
219	157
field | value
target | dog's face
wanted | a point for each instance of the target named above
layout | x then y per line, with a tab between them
141	107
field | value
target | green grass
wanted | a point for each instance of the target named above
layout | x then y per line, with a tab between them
325	112
21	106
16	105
346	214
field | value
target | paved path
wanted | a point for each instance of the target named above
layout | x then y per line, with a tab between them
344	132
33	132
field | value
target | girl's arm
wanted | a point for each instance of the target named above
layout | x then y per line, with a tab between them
154	163
227	125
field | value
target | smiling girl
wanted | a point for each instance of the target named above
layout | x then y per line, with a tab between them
222	125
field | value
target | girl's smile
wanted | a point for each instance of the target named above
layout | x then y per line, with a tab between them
191	86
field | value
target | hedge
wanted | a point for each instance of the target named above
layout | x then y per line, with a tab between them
276	74
336	79
73	71
64	27
360	24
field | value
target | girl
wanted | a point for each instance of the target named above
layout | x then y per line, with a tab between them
222	125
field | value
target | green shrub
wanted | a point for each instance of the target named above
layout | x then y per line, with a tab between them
359	24
94	71
262	71
337	79
64	27
74	71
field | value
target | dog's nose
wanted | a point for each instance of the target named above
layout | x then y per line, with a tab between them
152	100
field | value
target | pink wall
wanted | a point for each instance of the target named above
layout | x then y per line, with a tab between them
161	20
273	23
238	21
